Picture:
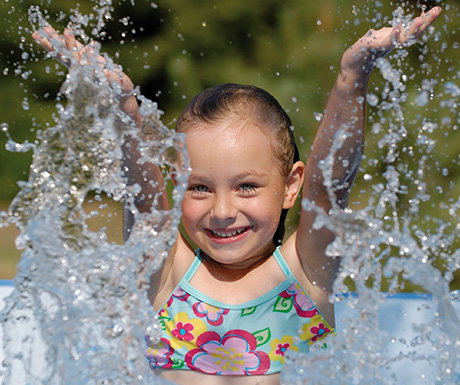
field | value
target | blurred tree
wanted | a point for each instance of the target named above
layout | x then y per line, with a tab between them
174	49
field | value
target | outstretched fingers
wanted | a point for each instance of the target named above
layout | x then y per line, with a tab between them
418	26
49	39
385	39
43	38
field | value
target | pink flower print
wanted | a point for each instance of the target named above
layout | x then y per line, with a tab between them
214	315
178	294
315	330
231	354
280	348
159	354
184	331
301	301
319	331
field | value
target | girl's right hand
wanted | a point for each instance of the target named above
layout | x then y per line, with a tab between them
74	54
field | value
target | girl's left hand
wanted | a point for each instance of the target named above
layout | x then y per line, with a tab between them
360	58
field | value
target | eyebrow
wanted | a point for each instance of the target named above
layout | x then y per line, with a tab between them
251	173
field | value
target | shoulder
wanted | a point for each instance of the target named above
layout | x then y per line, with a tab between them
300	263
176	264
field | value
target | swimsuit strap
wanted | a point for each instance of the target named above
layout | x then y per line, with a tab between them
197	262
281	262
193	267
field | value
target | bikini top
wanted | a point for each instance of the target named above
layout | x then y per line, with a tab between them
202	334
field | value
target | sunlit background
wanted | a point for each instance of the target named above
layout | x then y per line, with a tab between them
292	48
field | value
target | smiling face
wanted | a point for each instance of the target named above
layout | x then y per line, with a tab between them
236	192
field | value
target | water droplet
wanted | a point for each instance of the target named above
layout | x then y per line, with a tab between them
376	128
372	100
422	98
25	104
318	116
116	330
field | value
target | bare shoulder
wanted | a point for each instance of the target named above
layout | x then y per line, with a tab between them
164	281
302	258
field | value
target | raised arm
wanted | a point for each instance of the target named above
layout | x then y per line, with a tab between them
147	175
338	146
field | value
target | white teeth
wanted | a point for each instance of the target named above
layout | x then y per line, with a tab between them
228	234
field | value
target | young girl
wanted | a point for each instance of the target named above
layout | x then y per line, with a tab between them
231	310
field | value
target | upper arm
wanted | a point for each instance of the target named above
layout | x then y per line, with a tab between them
329	174
149	180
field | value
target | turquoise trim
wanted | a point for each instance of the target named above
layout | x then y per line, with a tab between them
193	267
281	262
188	288
255	302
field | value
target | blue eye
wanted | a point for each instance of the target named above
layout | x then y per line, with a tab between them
247	187
199	189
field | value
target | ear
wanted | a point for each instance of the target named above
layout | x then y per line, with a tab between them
294	183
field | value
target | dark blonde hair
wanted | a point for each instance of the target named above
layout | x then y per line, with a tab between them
236	101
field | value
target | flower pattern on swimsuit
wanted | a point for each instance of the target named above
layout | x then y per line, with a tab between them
184	331
315	330
233	353
295	296
214	315
281	347
178	294
159	354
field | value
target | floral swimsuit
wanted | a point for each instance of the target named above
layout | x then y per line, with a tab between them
199	333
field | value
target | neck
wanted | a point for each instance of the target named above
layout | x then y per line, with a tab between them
235	271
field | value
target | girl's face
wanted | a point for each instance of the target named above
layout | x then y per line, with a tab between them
236	192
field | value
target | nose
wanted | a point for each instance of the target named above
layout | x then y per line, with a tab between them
224	208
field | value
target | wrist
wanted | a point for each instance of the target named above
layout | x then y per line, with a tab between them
352	82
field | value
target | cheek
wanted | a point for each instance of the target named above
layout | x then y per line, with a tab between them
191	211
267	211
194	211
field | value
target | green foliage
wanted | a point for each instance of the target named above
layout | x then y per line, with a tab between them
174	49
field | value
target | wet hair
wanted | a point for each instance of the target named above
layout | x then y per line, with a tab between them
235	101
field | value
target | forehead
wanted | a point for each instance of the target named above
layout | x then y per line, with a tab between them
230	144
232	132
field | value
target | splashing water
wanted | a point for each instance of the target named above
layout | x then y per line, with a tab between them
79	311
377	243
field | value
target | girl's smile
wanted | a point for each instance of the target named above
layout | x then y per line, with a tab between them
227	235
